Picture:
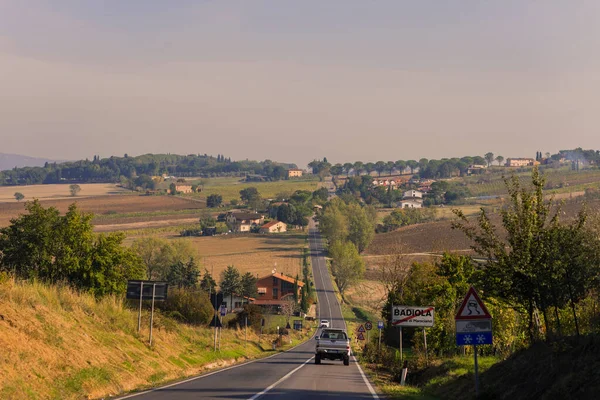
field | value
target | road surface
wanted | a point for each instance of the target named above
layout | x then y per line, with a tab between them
289	375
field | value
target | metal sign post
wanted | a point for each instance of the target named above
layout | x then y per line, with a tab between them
140	290
246	331
473	327
425	343
401	343
140	312
152	313
380	328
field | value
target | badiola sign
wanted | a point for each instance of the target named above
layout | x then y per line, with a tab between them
412	316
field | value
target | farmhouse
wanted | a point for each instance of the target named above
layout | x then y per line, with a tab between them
183	189
244	221
294	173
413	194
273	227
410	203
276	289
520	162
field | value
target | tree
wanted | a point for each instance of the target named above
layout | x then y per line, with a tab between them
540	262
184	275
158	255
333	223
380	167
347	168
173	189
19	196
207	283
361	229
214	200
347	266
231	283
358	167
337	169
400	165
248	285
499	160
412	164
489	158
74	189
250	196
44	245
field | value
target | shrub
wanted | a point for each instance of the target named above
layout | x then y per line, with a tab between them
189	306
254	314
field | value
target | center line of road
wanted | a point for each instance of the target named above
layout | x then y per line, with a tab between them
257	395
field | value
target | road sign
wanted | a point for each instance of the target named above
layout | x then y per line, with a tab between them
379	324
368	325
361	336
473	325
223	310
468	339
361	329
412	316
147	287
472	307
216	299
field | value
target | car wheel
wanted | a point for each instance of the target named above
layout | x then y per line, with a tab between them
346	360
318	359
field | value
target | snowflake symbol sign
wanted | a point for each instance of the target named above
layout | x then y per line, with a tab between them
480	338
468	339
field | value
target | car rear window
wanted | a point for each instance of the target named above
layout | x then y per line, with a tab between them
334	335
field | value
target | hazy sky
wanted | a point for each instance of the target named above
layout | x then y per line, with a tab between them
296	80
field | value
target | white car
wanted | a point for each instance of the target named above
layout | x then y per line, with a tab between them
324	323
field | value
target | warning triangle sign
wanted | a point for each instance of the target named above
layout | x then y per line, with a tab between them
472	307
361	329
361	336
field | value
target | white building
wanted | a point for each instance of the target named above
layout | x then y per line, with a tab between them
411	204
413	194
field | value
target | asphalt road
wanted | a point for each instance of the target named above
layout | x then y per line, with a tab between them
289	375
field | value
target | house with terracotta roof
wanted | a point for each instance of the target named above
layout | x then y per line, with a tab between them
244	221
277	289
273	227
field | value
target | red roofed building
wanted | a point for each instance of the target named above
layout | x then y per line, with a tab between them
273	227
276	289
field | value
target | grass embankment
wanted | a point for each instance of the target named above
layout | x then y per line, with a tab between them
60	344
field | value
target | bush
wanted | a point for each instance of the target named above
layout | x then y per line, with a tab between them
254	314
189	306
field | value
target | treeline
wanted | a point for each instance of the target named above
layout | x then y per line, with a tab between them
116	169
349	228
438	169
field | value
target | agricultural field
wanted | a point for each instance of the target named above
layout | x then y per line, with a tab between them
258	254
117	210
58	191
230	188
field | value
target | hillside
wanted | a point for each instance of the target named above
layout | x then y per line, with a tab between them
60	344
9	161
563	370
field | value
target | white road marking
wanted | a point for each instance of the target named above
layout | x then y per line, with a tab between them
375	396
205	375
257	395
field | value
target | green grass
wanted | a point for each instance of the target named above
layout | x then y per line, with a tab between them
230	189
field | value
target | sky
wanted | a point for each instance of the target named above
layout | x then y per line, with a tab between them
292	81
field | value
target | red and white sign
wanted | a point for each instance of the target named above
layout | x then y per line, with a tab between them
413	316
472	307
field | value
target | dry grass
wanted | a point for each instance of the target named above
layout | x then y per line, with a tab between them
60	344
254	253
58	191
368	294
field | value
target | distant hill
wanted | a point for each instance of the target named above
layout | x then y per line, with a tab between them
9	161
